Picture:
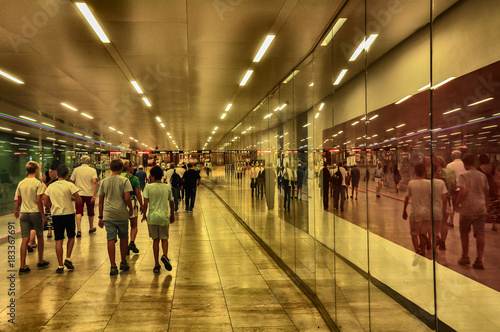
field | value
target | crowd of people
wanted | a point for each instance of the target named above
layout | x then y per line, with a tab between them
56	204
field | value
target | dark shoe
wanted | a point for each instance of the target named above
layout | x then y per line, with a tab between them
69	264
166	262
464	261
30	248
79	234
49	235
378	196
124	266
92	230
113	271
157	269
25	270
478	265
131	246
60	270
42	265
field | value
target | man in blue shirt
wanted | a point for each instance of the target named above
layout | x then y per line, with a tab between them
142	177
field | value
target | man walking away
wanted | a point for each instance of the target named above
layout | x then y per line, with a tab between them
473	206
324	183
378	177
59	198
355	177
286	182
338	181
135	197
300	180
141	175
85	179
114	198
176	183
458	166
29	210
191	182
160	216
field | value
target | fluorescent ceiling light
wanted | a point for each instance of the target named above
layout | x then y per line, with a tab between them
268	116
373	117
70	107
340	132
112	128
454	110
119	132
92	21
146	101
312	84
246	77
390	129
6	129
424	87
333	31
295	72
316	116
321	106
401	125
354	123
263	48
365	44
60	140
340	77
10	77
283	106
228	107
51	138
405	98
223	116
87	115
443	82
78	134
488	127
158	119
137	87
26	118
162	124
216	128
474	120
48	124
22	132
480	102
20	138
88	136
306	125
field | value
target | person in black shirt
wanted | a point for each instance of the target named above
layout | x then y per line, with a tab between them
191	181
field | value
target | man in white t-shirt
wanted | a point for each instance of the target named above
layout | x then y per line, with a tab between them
59	197
168	174
473	204
181	170
423	216
456	165
85	179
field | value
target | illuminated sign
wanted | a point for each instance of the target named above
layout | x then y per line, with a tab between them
115	152
369	150
20	153
143	152
334	150
264	151
356	150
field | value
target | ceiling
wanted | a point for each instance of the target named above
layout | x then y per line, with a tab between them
187	56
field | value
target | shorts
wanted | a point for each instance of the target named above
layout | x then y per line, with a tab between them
62	223
29	221
477	223
159	232
419	227
355	184
90	206
299	185
116	227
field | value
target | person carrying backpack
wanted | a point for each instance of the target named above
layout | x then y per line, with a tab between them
176	183
339	186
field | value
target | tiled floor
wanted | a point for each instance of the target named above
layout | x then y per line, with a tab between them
221	281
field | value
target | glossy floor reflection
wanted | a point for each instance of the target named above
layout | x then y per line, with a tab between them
221	281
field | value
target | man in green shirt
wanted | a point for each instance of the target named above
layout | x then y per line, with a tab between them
161	215
136	197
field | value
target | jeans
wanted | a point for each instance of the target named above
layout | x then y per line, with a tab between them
339	191
176	194
190	198
287	196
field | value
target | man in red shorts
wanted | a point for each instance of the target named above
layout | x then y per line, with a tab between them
85	179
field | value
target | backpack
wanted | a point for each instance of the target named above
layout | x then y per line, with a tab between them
175	180
337	178
286	177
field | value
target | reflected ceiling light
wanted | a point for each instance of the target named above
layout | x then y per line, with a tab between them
228	107
137	87
405	98
354	123
340	77
22	132
20	138
112	128
70	107
88	137
390	129
51	138
246	77
146	101
443	82
295	72
340	132
158	119
26	118
312	84
316	116
333	31
268	116
60	140
223	116
78	134
306	125
131	138
424	87
6	129
92	21
87	115
263	48
213	132
401	125
485	133
453	110
480	102
119	132
216	128
321	106
365	44
474	120
283	106
375	135
48	124
456	133
422	130
10	77
488	127
373	117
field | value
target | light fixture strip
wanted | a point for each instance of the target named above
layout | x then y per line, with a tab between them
333	31
10	77
263	48
340	77
84	9
146	101
228	107
402	100
137	87
70	107
246	77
